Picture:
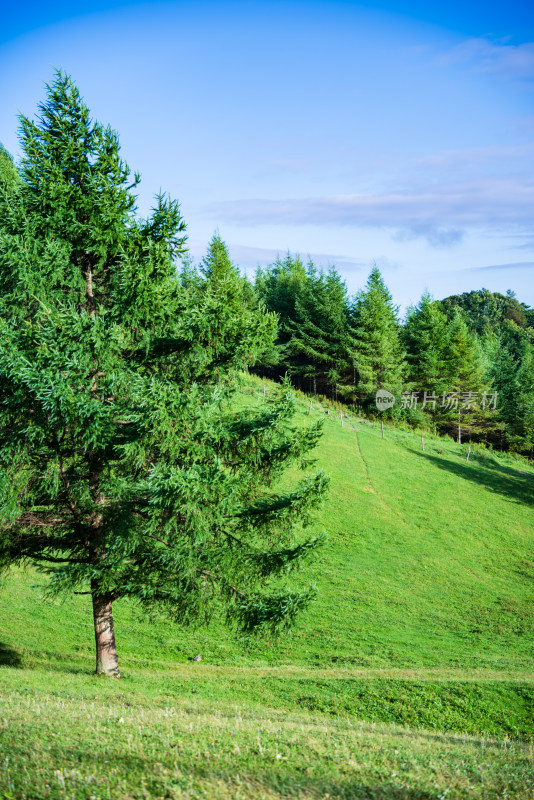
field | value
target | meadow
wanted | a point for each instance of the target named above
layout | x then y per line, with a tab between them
409	677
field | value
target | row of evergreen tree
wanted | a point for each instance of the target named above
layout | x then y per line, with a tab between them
464	365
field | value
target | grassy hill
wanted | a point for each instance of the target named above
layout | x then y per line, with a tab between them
424	618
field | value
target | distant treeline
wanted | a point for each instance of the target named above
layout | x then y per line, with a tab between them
463	365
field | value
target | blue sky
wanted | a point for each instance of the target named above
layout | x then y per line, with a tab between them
356	133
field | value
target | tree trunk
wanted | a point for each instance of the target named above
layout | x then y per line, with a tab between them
107	662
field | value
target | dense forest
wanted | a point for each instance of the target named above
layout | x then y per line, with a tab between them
463	366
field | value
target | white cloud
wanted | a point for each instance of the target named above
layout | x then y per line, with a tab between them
512	265
512	156
249	258
507	60
435	236
440	214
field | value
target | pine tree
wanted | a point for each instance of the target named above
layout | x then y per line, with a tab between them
319	350
9	176
279	287
125	468
425	339
424	336
379	357
502	329
512	374
464	374
526	402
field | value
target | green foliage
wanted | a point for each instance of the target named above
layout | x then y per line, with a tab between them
279	286
476	350
314	340
425	336
125	468
319	350
332	344
425	340
9	176
485	311
379	357
464	375
511	371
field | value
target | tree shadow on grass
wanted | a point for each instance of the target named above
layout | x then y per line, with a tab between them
512	485
339	789
9	657
482	740
59	662
44	660
268	782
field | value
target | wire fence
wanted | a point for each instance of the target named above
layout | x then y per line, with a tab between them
336	411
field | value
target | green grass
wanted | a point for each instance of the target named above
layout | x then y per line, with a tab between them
190	734
409	677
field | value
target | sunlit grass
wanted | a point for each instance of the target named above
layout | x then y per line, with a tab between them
409	677
91	738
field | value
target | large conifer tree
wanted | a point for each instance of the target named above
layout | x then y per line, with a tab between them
512	374
379	357
464	374
279	286
319	349
125	469
425	339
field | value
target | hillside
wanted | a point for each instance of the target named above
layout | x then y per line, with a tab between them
423	617
428	562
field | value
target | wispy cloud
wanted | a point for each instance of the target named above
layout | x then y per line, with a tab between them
511	156
503	267
251	257
435	236
507	60
527	244
440	214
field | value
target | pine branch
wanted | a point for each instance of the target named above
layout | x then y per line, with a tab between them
66	483
207	574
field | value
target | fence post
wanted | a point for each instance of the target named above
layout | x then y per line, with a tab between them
422	443
468	452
